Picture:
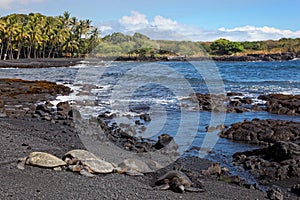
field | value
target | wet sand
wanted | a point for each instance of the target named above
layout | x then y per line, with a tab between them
40	63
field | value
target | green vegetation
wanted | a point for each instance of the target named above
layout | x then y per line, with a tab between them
226	47
272	46
118	44
38	36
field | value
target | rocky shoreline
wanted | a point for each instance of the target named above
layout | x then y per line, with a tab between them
258	57
281	104
30	123
278	159
18	97
224	58
66	62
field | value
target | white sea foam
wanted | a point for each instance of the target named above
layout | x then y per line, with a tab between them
70	97
295	59
9	68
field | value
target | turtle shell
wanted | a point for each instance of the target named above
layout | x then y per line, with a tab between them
134	164
43	159
175	174
88	159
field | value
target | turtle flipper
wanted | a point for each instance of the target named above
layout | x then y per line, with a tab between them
75	168
162	187
85	172
134	173
119	170
193	189
21	163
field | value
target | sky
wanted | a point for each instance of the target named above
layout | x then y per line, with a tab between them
196	20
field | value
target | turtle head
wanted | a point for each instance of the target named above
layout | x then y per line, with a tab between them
119	170
181	188
176	185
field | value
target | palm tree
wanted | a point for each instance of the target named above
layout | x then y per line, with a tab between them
66	19
11	31
61	33
21	34
82	30
2	35
69	46
52	32
36	35
34	27
93	39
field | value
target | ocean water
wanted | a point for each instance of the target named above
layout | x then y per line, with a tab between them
162	90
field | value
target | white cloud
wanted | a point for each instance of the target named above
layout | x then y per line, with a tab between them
260	33
7	4
134	22
165	28
104	28
164	23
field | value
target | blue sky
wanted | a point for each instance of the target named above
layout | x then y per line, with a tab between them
177	19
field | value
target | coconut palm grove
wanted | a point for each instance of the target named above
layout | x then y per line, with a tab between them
38	36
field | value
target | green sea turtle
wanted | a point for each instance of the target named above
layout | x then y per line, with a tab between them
132	167
87	163
176	181
41	159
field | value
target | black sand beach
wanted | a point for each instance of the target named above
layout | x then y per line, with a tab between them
22	136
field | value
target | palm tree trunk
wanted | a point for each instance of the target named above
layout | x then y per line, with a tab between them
40	51
1	51
24	53
44	50
54	52
11	56
6	50
49	53
34	51
19	50
29	51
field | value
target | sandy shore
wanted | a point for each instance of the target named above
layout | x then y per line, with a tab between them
65	62
40	63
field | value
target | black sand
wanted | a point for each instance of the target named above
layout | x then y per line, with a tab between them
21	136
